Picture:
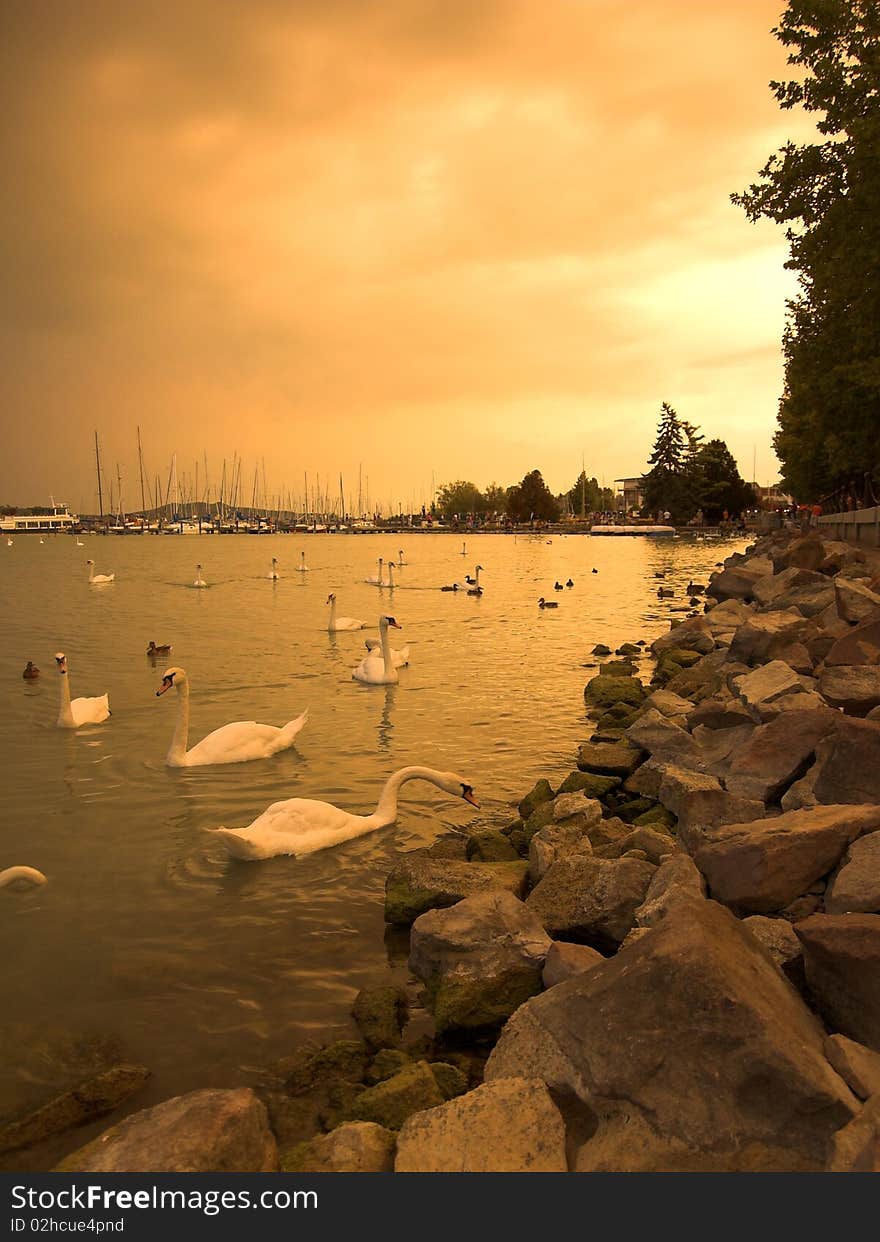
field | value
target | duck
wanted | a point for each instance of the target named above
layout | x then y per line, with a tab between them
238	742
546	603
476	589
302	567
98	579
694	588
26	875
569	583
454	587
665	593
31	672
78	712
273	572
595	571
377	667
376	581
301	826
557	586
200	581
336	624
161	649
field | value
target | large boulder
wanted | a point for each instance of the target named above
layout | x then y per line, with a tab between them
605	690
391	1101
209	1131
419	883
510	1126
609	758
658	735
764	687
842	964
722	620
847	765
764	865
856	1147
691	1040
701	805
738	581
778	753
353	1147
765	634
855	601
675	880
479	960
380	1014
767	590
855	887
860	645
557	841
853	687
809	600
591	900
691	635
805	553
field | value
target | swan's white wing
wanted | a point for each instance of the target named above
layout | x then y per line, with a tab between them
296	826
90	711
371	670
239	742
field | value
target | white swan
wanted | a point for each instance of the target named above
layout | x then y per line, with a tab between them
98	578
238	742
476	589
42	541
81	711
9	543
399	659
301	826
200	581
30	875
390	582
374	581
401	562
340	623
273	573
80	544
302	567
377	667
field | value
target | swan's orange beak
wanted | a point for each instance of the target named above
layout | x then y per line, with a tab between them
468	796
167	683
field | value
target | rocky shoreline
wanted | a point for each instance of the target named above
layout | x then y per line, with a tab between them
671	961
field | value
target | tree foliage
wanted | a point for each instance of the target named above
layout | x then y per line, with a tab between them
826	194
532	499
666	483
458	499
586	496
717	483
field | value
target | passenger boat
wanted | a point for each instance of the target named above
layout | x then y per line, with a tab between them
53	519
632	530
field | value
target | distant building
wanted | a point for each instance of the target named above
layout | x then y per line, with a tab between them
630	493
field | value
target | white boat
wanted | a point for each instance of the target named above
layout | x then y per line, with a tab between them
632	530
54	518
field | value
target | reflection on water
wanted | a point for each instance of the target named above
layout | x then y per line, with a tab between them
147	930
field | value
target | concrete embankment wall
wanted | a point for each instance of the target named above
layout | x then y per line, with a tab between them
857	526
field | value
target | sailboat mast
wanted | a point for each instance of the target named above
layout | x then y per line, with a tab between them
141	467
98	469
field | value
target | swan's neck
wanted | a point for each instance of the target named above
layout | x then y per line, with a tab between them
332	614
391	573
91	573
386	647
380	570
386	810
177	752
65	714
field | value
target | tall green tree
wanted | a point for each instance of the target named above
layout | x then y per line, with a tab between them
458	499
532	499
666	484
586	496
826	194
720	488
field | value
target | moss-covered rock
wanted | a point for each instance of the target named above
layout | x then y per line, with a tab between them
385	1063
452	846
538	819
657	818
310	1067
629	649
609	758
605	691
380	1015
449	1079
519	839
601	650
479	1006
490	845
631	810
419	883
541	792
618	668
590	784
682	656
389	1103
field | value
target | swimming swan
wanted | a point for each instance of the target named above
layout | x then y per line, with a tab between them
274	574
399	659
200	581
377	667
476	589
302	567
81	711
98	578
30	875
374	581
336	624
238	742
302	826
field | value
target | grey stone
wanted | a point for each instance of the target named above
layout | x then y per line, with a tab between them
591	900
676	879
855	601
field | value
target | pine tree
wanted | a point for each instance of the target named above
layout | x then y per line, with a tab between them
665	485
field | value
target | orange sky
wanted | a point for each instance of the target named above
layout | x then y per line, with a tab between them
471	237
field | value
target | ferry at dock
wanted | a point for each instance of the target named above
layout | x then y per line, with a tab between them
52	520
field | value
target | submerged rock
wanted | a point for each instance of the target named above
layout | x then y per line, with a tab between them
91	1099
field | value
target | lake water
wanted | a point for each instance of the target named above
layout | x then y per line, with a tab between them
204	966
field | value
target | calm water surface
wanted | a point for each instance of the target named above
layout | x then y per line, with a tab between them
147	930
